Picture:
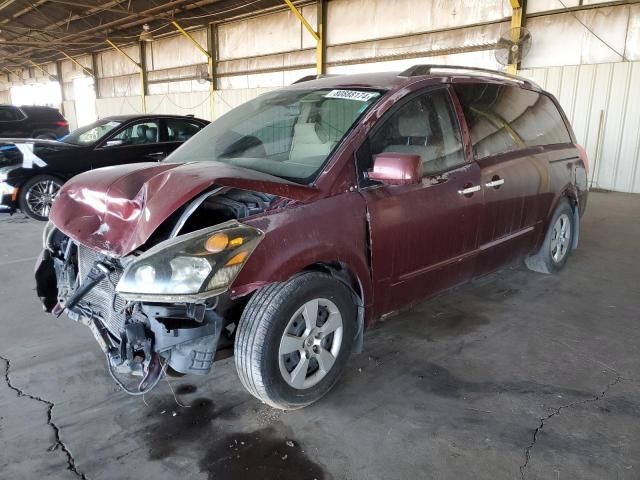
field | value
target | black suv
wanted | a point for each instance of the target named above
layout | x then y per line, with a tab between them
32	122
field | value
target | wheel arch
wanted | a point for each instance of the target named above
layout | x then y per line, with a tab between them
355	279
342	272
34	174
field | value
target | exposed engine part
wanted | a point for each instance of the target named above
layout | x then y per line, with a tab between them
237	204
98	272
219	206
145	339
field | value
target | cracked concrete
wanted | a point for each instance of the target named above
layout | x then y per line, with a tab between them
58	444
515	370
556	411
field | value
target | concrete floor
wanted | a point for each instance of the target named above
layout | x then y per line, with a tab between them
518	375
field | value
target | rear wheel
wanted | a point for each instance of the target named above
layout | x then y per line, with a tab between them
294	339
558	242
37	196
46	135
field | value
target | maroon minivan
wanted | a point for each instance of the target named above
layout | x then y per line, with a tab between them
289	225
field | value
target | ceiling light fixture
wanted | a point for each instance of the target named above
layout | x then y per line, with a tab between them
146	35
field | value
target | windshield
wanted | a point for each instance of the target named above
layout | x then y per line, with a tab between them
286	133
91	133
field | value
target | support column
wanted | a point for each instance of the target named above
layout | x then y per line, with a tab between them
518	8
212	44
94	67
321	46
61	83
144	82
210	53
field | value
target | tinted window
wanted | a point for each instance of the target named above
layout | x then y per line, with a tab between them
426	125
43	113
505	118
9	114
90	134
139	133
179	130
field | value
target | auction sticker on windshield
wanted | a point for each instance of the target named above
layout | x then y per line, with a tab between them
352	95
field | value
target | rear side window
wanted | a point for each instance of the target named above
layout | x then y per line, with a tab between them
179	130
505	118
9	114
43	114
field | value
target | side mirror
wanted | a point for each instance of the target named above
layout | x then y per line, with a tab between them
396	168
113	143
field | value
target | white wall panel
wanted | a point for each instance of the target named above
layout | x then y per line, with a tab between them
483	59
264	35
112	63
5	96
356	20
176	51
117	106
562	40
601	103
192	103
633	34
264	80
275	61
69	111
71	70
226	100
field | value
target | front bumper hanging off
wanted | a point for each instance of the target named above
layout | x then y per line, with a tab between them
131	334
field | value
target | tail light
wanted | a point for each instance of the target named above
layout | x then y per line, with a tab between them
62	123
583	156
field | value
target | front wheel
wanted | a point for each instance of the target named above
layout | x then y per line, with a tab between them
558	242
37	195
294	339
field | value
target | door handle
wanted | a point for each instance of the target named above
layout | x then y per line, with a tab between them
157	156
469	190
495	183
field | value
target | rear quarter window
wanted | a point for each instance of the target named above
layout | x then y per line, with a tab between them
43	114
503	118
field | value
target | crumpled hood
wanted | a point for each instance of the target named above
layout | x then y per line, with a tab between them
115	210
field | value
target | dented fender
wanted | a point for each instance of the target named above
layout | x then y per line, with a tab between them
332	229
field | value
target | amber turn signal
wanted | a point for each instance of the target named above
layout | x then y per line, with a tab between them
237	259
216	243
236	242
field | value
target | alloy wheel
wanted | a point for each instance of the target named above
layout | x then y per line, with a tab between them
310	343
40	197
560	238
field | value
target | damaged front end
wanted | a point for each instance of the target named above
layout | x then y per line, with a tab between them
163	308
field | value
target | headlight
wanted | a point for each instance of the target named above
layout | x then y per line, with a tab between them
191	267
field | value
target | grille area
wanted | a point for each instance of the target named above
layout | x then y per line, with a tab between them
102	299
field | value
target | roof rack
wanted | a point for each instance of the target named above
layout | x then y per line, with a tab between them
308	78
419	70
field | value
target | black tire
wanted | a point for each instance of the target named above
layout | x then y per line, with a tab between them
28	189
549	259
262	327
45	135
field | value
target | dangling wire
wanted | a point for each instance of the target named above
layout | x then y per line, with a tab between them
139	392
